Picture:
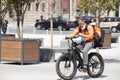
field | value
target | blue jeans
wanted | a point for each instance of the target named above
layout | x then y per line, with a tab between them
85	50
82	41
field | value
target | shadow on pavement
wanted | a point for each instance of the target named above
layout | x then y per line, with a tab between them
111	61
85	77
18	63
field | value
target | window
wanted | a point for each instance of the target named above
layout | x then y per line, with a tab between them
55	20
112	20
37	6
65	12
54	6
29	6
43	6
105	20
118	19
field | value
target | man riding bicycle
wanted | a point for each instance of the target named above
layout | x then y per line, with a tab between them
87	38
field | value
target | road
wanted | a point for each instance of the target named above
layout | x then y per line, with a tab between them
31	30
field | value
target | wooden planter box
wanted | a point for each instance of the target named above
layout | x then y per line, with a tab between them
24	51
107	41
107	38
7	35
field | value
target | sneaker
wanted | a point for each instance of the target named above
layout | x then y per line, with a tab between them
84	69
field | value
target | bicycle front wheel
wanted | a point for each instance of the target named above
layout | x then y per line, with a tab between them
66	67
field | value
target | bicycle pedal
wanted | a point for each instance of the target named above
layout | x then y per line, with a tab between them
83	70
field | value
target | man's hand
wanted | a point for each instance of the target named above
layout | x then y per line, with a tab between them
67	37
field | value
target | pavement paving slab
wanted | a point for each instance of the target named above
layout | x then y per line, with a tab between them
46	70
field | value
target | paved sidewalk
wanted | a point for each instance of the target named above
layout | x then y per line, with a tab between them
46	71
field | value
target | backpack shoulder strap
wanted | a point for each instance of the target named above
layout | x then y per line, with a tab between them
93	26
79	29
86	28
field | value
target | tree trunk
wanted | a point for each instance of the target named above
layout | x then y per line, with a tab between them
108	11
18	26
0	23
21	26
98	14
0	16
98	19
20	22
0	27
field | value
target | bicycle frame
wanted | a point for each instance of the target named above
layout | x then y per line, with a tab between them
76	52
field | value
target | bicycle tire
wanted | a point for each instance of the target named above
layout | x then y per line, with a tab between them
95	64
62	58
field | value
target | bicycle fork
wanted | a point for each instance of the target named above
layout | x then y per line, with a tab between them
79	58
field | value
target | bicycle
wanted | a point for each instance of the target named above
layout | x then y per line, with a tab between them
68	63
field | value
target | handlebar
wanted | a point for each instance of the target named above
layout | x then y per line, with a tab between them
73	42
70	39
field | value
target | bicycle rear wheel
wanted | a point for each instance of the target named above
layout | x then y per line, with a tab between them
95	65
66	67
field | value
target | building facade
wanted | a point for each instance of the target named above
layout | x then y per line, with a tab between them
44	9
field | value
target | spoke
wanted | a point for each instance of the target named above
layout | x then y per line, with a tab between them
66	68
94	65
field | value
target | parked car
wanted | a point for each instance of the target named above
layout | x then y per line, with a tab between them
73	24
88	20
110	22
59	23
116	28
